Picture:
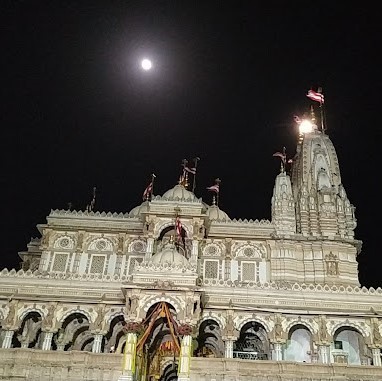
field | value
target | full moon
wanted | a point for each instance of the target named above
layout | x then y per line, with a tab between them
146	64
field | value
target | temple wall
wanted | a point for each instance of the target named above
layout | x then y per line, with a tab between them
247	370
37	365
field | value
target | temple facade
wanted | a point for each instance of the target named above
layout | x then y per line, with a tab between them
232	299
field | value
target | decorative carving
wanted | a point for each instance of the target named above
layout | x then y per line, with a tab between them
163	284
80	241
331	264
230	329
189	307
99	322
132	305
45	239
278	329
120	244
48	321
9	321
376	333
322	331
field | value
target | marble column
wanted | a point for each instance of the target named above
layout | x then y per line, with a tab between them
324	353
376	356
277	352
97	343
149	248
47	342
128	368
228	348
7	342
185	359
194	251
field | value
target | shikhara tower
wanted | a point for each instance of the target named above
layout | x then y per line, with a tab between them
213	305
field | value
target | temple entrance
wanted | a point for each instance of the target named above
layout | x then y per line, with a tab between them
158	342
170	373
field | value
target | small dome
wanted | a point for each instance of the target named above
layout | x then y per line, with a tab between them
214	213
169	256
179	192
137	211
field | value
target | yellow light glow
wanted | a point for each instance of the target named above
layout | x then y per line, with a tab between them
306	127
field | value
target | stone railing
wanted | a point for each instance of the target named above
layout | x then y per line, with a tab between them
292	287
222	369
38	365
5	273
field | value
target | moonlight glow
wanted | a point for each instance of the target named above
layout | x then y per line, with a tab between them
146	64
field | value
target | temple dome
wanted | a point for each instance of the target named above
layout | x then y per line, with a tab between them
214	213
169	256
179	192
137	211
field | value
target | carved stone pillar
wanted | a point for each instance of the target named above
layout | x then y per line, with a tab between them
324	353
277	352
7	342
185	358
128	368
228	348
149	248
24	343
47	341
97	343
194	251
376	356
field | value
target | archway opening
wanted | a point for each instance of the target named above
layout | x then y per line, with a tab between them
253	343
158	341
349	347
299	345
29	333
73	332
209	340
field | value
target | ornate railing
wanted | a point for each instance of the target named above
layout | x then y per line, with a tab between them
244	355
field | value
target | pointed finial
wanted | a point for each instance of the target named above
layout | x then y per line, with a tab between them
312	115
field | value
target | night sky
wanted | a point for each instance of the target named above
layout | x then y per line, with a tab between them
77	111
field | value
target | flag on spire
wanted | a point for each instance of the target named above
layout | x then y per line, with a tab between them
214	188
90	207
148	191
190	170
316	96
281	155
178	227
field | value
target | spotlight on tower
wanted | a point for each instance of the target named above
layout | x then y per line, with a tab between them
306	126
146	64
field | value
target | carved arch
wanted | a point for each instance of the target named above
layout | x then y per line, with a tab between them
23	312
174	301
64	241
160	225
351	324
239	323
71	311
309	326
91	244
220	320
109	317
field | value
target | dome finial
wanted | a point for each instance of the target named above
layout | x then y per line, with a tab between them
183	179
312	115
